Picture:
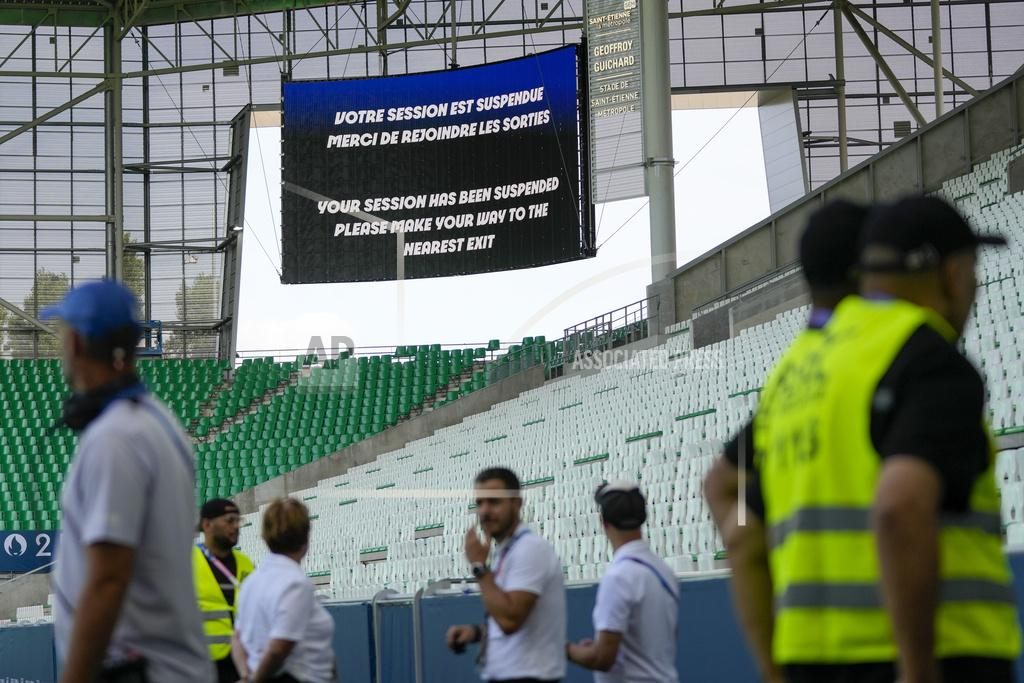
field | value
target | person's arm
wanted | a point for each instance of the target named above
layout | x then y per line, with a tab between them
290	619
239	656
906	525
747	553
929	433
108	573
510	609
596	655
273	659
525	578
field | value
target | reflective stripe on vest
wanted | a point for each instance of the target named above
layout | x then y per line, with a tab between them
218	640
838	518
868	595
217	614
819	470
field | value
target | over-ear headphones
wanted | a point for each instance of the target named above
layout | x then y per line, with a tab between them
622	504
80	409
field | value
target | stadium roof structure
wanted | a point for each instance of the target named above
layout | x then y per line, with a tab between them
124	123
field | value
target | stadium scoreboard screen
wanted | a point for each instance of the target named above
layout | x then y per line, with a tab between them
435	174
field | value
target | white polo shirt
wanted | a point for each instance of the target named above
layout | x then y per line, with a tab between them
277	602
639	598
132	484
527	562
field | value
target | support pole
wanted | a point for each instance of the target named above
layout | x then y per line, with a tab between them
31	320
937	56
884	67
455	40
837	30
657	104
114	162
896	38
42	118
382	35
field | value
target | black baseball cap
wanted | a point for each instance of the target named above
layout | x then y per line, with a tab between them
828	246
622	505
916	234
217	507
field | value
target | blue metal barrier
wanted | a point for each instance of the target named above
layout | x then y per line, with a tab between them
711	647
353	641
26	654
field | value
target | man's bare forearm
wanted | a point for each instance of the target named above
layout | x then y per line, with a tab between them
905	521
751	584
273	659
95	617
496	602
751	589
908	552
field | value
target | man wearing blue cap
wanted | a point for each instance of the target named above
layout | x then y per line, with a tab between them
125	607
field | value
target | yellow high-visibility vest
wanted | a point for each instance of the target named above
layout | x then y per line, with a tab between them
218	615
819	469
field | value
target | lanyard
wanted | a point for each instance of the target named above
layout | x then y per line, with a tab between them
507	549
219	565
657	574
819	318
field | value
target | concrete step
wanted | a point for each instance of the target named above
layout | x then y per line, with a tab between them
254	405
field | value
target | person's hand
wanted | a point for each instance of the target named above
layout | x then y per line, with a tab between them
458	637
476	550
572	649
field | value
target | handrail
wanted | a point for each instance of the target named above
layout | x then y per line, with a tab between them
8	583
770	278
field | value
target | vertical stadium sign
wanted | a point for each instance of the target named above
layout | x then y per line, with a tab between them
616	109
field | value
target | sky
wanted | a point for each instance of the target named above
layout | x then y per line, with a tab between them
719	191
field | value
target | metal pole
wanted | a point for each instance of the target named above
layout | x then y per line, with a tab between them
657	106
837	30
147	195
455	40
937	57
884	67
382	35
417	636
34	322
895	37
114	162
53	112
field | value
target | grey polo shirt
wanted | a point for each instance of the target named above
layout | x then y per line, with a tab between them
132	484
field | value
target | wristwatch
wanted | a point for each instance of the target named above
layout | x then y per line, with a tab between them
479	569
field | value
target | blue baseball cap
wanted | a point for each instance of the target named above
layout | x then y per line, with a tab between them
96	308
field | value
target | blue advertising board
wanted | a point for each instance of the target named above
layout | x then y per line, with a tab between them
24	551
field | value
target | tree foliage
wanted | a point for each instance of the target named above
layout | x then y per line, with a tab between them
195	302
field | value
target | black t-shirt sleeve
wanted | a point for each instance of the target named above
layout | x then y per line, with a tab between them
930	405
741	445
741	448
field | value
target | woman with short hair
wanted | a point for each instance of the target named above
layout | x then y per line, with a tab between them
283	634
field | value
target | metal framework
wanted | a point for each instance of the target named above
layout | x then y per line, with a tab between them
136	183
